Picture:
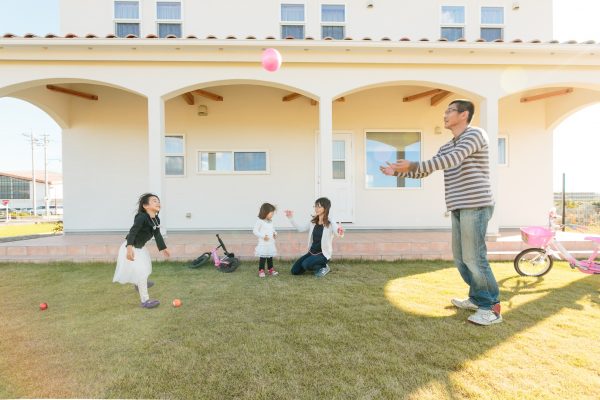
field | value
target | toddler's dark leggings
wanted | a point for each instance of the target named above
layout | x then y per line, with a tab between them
261	262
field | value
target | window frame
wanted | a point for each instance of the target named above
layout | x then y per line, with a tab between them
267	170
137	21
283	23
332	23
506	152
365	166
158	21
462	25
165	155
501	26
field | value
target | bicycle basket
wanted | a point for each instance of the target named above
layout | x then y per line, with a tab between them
536	236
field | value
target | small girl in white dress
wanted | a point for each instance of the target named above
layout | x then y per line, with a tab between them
266	234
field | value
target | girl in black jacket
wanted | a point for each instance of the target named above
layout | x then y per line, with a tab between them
134	264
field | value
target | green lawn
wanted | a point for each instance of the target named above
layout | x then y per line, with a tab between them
26	229
365	331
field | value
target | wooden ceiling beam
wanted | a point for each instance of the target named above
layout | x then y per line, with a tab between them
422	94
87	96
291	96
339	99
546	95
189	98
435	100
208	95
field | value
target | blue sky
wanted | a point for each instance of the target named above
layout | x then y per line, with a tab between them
574	19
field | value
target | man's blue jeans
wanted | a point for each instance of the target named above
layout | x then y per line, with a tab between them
469	226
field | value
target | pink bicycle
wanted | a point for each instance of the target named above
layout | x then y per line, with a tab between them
538	260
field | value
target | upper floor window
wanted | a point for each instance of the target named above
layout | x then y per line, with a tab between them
174	155
168	16
453	22
127	18
333	19
492	23
292	21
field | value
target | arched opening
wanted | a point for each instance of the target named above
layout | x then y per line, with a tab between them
576	144
30	159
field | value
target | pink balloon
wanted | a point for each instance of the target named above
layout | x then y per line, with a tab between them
271	60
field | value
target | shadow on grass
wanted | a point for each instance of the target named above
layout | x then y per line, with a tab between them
475	341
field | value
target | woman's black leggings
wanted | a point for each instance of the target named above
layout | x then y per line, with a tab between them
261	262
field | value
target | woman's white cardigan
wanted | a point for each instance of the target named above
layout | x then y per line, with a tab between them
329	232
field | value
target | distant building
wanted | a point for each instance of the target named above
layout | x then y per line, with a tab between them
17	188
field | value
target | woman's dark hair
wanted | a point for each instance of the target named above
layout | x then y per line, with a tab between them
145	200
265	209
326	204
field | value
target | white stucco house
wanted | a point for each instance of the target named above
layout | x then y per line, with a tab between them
170	97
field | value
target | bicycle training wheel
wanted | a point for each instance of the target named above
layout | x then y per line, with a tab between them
533	262
200	260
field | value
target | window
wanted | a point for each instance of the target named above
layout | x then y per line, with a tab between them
339	159
492	23
168	15
292	21
333	18
390	146
14	188
232	161
453	22
174	155
502	150
127	18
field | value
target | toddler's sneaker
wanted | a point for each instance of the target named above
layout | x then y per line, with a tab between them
323	271
150	304
465	304
150	284
261	273
272	272
487	317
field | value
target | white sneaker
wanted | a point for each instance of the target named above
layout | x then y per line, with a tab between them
485	317
465	304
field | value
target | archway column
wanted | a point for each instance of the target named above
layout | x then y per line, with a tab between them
325	146
156	135
489	122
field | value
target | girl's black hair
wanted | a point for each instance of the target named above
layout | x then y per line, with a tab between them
145	200
326	204
265	209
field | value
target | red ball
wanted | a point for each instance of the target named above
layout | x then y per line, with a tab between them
177	303
43	306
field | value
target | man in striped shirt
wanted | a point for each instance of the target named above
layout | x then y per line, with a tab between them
465	162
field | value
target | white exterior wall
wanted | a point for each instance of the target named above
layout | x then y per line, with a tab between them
105	160
261	18
250	118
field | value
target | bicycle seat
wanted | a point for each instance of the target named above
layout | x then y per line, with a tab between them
595	239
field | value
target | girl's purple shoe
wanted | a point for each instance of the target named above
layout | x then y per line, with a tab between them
150	304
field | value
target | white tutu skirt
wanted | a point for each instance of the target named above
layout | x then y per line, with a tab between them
265	249
134	271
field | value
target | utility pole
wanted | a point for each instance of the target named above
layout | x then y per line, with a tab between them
46	197
33	192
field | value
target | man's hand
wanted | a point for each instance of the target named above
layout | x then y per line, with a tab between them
166	253
266	238
401	166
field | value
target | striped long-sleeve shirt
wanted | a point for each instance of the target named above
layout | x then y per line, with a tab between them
465	161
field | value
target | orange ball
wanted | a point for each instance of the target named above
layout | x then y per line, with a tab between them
177	303
43	306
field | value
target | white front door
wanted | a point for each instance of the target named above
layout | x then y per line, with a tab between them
342	199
